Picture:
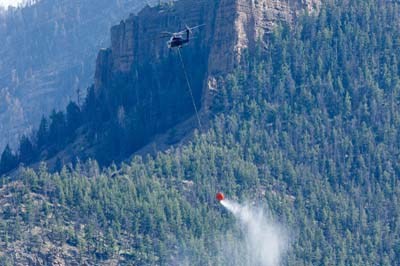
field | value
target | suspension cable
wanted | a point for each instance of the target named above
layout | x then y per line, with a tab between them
190	88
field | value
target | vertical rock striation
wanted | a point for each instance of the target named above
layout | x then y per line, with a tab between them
137	53
231	26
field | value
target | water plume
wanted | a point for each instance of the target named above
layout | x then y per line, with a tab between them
263	242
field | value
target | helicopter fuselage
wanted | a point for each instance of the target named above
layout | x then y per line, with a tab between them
177	41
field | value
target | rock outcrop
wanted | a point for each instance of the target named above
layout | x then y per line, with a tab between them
137	52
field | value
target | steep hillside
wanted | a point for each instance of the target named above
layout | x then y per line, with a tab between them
48	53
140	88
307	127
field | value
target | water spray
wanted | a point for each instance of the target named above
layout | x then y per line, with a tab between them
264	241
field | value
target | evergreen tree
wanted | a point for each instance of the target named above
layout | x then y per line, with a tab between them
74	118
8	160
26	150
42	133
57	130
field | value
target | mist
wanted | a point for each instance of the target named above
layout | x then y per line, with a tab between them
7	3
262	243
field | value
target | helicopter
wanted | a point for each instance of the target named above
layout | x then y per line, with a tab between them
176	38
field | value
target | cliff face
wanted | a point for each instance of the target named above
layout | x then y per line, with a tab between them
140	89
231	26
56	64
139	61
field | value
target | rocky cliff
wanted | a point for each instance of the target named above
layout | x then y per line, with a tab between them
231	26
140	88
141	60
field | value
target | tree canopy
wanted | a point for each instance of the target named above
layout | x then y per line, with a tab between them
308	127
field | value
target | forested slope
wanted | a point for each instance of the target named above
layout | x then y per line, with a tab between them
310	125
48	53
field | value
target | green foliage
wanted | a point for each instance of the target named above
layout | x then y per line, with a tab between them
309	127
73	119
26	150
42	134
8	160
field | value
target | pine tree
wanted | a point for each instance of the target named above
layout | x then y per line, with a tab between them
26	150
42	133
57	130
8	160
74	118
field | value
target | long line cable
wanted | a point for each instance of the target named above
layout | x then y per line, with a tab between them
190	88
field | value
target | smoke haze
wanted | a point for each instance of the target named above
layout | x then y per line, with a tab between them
263	242
7	3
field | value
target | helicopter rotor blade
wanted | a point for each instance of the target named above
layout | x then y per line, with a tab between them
188	29
180	32
167	33
195	27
